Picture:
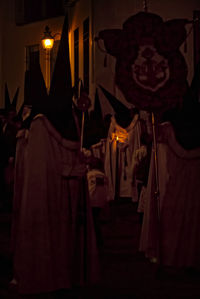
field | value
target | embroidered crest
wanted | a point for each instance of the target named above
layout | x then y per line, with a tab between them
150	70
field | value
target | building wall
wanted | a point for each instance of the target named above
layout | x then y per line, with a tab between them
14	41
77	15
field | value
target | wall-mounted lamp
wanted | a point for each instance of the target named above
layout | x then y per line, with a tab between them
48	39
47	44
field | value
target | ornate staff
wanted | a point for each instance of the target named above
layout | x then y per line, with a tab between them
156	192
83	104
155	163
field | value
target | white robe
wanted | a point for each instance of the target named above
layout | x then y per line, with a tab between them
173	238
118	158
55	246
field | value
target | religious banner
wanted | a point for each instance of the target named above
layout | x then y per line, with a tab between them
150	70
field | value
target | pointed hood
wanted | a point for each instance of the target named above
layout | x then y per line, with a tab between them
35	94
194	88
97	112
27	97
95	129
75	89
186	119
7	98
14	102
61	83
77	112
123	114
27	100
35	89
60	95
19	114
10	106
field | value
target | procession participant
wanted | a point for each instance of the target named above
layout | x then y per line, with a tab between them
9	131
56	244
177	207
34	88
124	138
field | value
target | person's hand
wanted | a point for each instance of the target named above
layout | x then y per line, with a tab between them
141	153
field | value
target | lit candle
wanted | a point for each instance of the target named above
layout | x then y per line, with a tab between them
117	179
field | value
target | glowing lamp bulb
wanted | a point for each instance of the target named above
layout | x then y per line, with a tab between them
48	43
48	39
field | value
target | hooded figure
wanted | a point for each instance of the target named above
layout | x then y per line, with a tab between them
164	237
96	133
123	141
94	126
123	115
56	245
25	110
10	107
60	112
185	120
34	97
8	144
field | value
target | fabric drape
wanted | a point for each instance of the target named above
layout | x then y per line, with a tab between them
174	238
55	246
120	146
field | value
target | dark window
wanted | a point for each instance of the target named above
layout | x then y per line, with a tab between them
54	8
32	11
76	57
86	54
28	11
32	56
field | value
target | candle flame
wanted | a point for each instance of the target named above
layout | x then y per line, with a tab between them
121	137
